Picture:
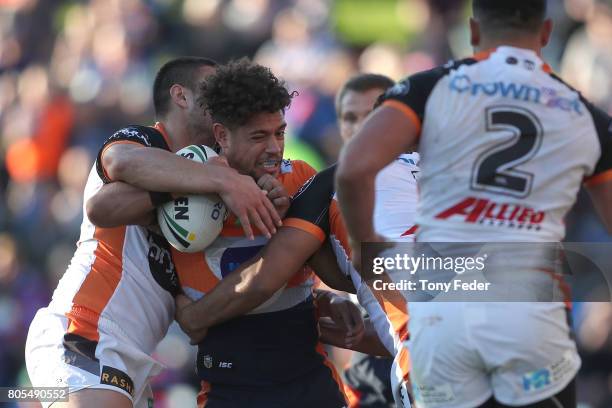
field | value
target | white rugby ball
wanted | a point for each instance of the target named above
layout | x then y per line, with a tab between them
193	222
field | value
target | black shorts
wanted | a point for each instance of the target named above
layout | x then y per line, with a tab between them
317	389
369	380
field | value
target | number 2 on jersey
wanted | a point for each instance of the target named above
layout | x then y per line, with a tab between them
495	170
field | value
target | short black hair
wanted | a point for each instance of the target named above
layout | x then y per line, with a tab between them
177	71
240	90
362	83
522	15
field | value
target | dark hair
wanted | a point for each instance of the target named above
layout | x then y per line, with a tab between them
362	83
241	89
177	71
524	15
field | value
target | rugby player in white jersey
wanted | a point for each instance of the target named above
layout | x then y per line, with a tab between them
312	222
108	312
499	135
367	380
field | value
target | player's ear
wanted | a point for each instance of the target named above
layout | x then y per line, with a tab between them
546	32
177	93
474	32
221	135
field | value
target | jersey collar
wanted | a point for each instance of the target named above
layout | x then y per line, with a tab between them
161	129
483	55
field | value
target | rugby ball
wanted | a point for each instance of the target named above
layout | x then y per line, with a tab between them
193	222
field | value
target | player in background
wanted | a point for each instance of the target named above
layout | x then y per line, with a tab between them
311	229
86	339
498	128
367	380
271	357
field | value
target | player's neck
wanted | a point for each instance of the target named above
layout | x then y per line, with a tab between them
527	43
176	130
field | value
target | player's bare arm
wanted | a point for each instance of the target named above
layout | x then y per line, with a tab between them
119	203
385	134
336	335
251	284
325	265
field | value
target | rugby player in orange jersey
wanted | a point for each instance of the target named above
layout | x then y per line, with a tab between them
312	218
266	358
84	339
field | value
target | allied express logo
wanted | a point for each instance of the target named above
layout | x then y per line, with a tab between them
481	210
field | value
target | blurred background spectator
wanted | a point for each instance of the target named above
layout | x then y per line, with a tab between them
73	71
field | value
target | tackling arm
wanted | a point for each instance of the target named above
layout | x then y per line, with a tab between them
251	284
325	265
385	134
119	203
155	169
152	169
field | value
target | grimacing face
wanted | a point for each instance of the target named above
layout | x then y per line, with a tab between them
255	148
354	108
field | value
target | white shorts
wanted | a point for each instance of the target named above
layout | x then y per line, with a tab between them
118	364
464	353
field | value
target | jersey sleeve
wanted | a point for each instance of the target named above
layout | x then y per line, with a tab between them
410	95
603	126
300	173
138	135
309	209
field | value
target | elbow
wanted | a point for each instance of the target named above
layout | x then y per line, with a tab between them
95	211
116	165
91	210
115	168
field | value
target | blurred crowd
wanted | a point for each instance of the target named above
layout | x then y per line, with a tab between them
73	71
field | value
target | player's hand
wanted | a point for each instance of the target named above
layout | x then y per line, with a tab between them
276	193
250	204
348	316
183	318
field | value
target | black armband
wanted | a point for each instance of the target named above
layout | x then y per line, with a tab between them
158	198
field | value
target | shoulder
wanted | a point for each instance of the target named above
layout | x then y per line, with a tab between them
144	135
294	173
425	81
415	90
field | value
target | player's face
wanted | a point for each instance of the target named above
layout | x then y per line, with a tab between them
257	147
354	108
198	119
